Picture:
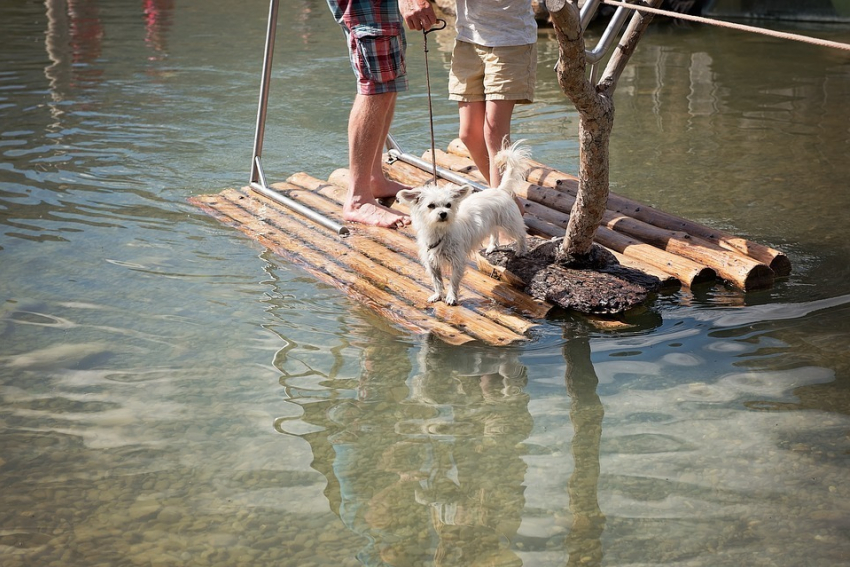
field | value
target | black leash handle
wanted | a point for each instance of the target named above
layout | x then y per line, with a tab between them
441	24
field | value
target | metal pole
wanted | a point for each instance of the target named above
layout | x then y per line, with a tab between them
260	131
395	152
257	182
608	36
262	188
587	12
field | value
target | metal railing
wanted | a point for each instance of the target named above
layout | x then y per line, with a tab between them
257	181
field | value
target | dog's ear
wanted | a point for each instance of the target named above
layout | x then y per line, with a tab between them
409	196
462	192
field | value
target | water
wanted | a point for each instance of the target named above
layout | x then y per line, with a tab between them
173	394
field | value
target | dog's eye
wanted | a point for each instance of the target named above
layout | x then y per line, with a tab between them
430	205
448	205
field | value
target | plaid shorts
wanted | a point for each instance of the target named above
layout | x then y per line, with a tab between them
376	43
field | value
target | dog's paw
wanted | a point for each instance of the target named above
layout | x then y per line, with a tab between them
451	299
434	298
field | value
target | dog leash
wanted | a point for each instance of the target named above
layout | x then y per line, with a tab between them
425	33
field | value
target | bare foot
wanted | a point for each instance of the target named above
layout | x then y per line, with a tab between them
373	214
384	188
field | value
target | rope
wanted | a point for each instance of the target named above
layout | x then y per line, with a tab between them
734	26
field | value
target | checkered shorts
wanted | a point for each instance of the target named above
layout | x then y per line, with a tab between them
376	43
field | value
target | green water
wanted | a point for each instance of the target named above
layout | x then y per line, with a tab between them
173	394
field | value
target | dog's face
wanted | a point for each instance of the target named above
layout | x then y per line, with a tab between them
433	205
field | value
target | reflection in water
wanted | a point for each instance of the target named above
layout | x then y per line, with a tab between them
427	463
158	16
428	467
74	43
584	542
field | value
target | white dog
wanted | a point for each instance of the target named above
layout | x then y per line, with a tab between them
451	221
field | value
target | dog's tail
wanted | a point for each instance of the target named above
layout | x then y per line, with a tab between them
511	160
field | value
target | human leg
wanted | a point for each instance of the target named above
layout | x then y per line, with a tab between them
377	60
509	78
497	132
466	86
471	133
383	188
368	125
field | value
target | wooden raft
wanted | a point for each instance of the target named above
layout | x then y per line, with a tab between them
380	267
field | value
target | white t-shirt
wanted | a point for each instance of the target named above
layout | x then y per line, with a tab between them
496	23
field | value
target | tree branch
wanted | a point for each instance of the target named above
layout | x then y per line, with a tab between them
572	60
624	50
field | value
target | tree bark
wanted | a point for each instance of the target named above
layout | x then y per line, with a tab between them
595	106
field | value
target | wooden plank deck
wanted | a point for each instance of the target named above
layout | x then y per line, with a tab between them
380	267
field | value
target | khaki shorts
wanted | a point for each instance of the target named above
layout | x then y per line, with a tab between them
493	73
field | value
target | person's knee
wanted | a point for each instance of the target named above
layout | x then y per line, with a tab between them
470	136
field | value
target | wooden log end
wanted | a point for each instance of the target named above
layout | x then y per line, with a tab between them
305	181
703	276
555	5
760	277
781	265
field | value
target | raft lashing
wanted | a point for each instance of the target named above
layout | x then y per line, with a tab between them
380	268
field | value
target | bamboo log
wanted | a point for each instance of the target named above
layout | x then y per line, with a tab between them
773	258
453	163
458	164
638	254
544	175
731	265
227	207
667	280
405	173
497	272
742	270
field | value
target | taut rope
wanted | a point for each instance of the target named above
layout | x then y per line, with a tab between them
734	26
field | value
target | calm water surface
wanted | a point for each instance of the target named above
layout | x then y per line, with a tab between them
173	394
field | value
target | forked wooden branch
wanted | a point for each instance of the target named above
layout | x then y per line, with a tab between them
596	110
620	58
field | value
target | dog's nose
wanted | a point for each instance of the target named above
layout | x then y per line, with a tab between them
443	215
